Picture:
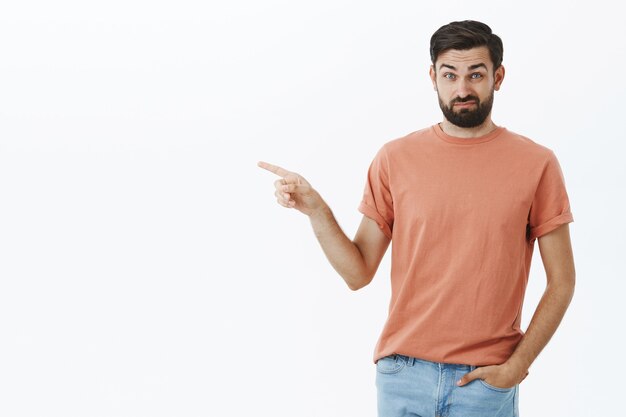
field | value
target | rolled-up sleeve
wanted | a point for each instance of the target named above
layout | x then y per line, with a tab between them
550	207
377	202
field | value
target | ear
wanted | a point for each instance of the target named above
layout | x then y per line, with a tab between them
433	77
498	78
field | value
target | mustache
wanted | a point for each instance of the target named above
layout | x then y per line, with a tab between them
466	99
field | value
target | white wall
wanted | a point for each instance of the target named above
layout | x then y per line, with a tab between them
145	266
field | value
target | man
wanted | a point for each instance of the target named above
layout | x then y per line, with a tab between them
464	201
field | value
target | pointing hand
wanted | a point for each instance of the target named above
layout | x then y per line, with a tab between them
293	191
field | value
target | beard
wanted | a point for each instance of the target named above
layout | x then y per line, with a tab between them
467	117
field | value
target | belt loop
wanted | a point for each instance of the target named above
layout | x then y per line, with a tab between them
411	360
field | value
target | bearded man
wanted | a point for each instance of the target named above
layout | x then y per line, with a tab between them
464	201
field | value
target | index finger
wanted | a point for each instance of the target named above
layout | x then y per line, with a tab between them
273	168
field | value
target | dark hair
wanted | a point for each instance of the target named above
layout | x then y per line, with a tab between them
467	34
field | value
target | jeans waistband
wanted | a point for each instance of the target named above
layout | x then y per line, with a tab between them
410	361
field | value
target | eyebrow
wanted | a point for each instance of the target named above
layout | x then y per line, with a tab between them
471	67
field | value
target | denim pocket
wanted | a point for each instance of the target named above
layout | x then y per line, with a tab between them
390	364
491	387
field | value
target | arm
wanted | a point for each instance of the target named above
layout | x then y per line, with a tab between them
558	261
356	261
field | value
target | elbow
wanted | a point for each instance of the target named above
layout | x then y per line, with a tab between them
358	283
354	287
570	282
570	294
565	285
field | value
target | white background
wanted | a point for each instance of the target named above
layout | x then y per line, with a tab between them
145	266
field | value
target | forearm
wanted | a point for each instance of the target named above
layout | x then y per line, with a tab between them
543	325
342	253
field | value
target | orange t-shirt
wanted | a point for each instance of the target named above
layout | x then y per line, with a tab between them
463	216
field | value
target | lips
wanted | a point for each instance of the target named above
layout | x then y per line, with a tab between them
465	104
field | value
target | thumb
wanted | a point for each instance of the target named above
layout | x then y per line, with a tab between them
295	178
469	377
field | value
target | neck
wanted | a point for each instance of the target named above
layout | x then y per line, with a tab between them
468	132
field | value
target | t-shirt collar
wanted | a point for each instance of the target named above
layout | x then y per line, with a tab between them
467	141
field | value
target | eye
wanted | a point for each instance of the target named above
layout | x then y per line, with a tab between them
448	75
478	75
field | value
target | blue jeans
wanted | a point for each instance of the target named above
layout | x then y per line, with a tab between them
411	387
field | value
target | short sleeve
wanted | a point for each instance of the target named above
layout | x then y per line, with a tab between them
377	202
550	207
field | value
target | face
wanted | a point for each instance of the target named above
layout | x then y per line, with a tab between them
465	82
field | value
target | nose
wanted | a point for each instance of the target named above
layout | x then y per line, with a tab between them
462	89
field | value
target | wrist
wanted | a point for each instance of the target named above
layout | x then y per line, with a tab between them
517	366
320	212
